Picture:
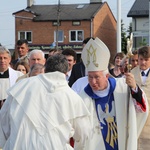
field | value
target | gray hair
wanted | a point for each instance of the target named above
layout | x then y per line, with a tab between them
4	50
105	72
35	51
36	68
57	62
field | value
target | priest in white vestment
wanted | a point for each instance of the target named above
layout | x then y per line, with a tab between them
118	107
8	76
43	112
142	77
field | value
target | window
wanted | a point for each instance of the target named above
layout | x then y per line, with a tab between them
76	36
60	36
80	6
142	41
25	35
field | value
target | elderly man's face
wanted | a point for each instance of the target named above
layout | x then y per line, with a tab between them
4	61
97	80
36	58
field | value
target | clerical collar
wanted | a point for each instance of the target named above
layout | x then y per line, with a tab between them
1	73
104	92
4	74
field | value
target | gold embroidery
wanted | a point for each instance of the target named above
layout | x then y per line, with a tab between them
112	129
91	52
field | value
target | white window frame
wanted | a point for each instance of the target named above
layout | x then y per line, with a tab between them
62	40
19	37
76	36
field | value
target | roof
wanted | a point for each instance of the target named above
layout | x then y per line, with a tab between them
140	8
67	11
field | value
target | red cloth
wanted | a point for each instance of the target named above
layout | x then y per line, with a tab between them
72	142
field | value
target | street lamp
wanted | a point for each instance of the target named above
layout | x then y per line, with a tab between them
119	26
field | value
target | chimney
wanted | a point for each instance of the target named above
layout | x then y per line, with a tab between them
30	3
95	1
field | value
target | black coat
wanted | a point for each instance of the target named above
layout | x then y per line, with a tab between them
77	72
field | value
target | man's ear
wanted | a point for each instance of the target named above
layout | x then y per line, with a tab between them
10	60
27	48
107	75
44	60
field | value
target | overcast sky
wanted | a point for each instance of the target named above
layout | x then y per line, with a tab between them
7	7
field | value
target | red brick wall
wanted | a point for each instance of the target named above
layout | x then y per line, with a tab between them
43	32
104	27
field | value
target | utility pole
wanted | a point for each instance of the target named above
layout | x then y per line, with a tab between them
58	12
119	26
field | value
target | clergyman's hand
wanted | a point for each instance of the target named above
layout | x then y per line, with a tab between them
130	80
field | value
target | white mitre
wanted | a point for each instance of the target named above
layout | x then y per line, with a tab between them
95	55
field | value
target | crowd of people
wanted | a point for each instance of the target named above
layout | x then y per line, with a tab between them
61	104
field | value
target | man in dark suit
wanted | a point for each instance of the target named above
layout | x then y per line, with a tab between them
22	51
78	69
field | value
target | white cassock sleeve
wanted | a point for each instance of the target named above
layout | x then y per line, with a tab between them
83	130
5	121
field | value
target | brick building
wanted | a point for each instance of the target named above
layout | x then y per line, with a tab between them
39	25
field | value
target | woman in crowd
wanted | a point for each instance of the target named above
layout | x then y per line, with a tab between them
116	72
22	66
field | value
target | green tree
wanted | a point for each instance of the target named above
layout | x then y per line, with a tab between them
123	38
129	30
143	42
